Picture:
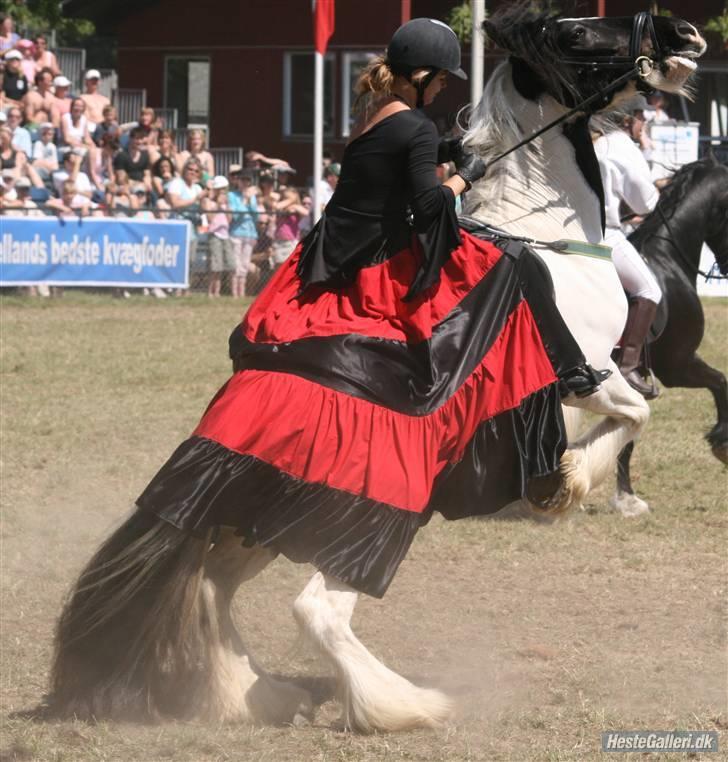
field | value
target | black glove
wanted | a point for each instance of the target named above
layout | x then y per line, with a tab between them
470	167
449	149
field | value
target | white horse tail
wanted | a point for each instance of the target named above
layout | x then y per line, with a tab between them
131	639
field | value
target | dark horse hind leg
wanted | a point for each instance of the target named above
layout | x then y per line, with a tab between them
696	373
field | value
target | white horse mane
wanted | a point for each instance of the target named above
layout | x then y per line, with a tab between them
493	129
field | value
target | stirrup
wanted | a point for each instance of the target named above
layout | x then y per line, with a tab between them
646	386
583	381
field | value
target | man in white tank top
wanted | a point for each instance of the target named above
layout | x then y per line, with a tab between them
626	177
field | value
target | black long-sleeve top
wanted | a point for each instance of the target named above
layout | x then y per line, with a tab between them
386	173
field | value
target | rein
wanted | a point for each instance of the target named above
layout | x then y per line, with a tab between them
640	67
685	261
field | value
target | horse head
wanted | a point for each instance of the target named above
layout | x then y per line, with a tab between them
693	208
572	59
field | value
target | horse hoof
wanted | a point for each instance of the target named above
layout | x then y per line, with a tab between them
629	505
721	452
560	492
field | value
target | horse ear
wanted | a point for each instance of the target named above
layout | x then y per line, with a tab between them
493	33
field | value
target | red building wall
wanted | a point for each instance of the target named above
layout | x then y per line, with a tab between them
246	42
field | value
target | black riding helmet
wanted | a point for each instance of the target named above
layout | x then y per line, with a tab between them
424	44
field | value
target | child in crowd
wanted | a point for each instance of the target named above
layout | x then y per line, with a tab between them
45	154
71	203
109	125
222	258
119	195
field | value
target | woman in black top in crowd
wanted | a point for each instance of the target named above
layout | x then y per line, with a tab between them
394	365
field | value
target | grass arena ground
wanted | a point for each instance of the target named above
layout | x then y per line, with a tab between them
547	634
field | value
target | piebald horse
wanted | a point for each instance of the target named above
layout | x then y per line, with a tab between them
147	631
551	190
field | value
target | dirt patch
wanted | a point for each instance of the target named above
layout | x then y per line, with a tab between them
547	635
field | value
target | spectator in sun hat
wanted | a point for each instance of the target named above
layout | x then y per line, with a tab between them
5	102
62	101
94	100
45	153
15	84
222	258
28	64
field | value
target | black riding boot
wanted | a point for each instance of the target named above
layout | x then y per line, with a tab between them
639	319
576	376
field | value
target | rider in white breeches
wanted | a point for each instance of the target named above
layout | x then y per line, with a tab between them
626	178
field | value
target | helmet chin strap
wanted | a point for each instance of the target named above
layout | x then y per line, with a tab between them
422	84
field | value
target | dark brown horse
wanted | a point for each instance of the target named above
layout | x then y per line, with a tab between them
692	210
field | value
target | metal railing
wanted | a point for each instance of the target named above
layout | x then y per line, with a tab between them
224	158
109	83
167	117
129	103
72	62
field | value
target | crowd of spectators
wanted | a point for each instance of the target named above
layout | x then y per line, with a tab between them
66	154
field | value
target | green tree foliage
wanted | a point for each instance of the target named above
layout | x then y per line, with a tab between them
460	20
35	16
719	24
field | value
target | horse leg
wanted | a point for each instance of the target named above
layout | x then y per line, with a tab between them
373	697
696	373
624	499
238	689
592	457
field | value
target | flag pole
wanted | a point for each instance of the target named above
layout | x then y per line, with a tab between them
318	132
476	53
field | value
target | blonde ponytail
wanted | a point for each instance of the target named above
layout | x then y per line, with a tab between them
374	83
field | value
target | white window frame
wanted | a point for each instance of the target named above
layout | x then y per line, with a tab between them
287	57
347	59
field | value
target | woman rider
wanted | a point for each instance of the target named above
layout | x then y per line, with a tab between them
394	365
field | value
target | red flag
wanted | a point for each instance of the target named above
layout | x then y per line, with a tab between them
323	23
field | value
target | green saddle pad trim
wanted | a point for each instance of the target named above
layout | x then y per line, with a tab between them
583	249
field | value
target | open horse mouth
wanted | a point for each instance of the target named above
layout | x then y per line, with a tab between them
673	71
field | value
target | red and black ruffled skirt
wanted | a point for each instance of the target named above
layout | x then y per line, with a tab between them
352	415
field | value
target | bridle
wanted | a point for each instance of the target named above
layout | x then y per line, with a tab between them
641	21
638	67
